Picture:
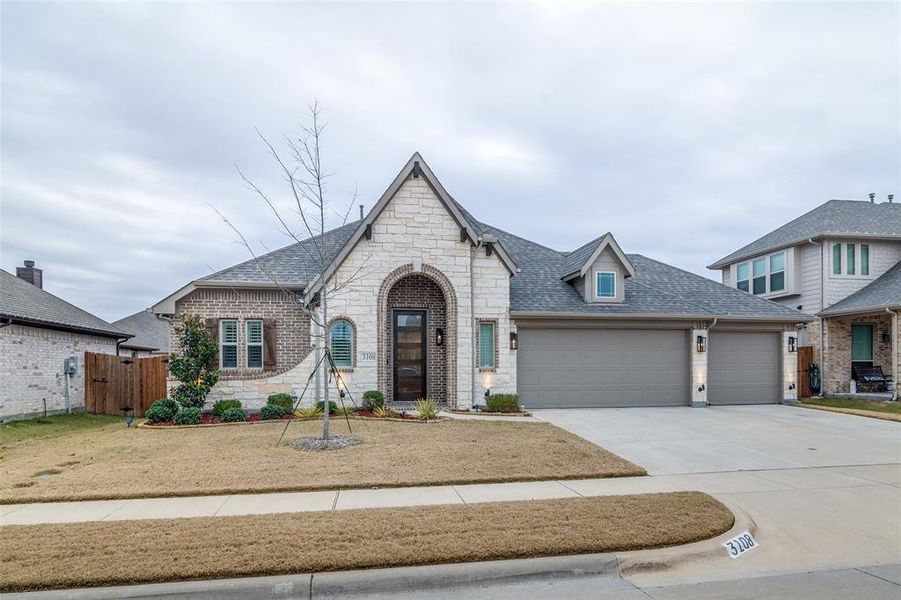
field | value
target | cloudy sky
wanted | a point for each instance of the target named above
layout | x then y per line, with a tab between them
685	129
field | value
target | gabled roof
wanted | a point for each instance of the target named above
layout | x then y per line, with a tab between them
150	332
656	290
838	218
580	260
884	292
22	302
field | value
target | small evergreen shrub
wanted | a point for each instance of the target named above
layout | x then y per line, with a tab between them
233	415
332	407
309	412
373	399
384	413
502	403
427	409
223	405
285	401
271	411
172	404
160	412
188	416
345	411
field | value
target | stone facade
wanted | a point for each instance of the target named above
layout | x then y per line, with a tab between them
31	361
837	349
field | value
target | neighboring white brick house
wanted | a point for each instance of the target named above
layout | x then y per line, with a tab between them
38	334
425	306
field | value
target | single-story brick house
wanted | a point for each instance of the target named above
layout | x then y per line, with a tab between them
436	303
40	336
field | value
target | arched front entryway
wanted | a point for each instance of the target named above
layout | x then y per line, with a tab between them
417	335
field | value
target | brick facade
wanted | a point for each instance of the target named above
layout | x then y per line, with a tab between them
31	364
837	349
422	293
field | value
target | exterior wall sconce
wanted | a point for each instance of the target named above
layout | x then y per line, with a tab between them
792	343
791	386
514	340
702	387
439	336
701	343
886	337
487	392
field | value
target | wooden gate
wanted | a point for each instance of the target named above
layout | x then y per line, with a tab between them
805	359
113	382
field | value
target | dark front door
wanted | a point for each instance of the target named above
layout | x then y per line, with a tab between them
409	355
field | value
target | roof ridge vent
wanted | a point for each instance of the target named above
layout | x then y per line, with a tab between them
872	197
891	197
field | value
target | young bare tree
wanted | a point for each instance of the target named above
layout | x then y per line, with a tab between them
300	165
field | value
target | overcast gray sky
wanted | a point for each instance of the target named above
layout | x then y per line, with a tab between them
685	129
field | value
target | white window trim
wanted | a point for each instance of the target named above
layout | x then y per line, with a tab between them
597	280
223	344
766	275
248	344
353	341
494	349
857	260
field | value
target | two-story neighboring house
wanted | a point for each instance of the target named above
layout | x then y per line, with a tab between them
842	263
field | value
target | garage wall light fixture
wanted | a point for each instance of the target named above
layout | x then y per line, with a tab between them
439	336
792	343
701	343
702	387
514	340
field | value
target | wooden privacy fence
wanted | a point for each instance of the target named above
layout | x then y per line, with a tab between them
112	382
805	359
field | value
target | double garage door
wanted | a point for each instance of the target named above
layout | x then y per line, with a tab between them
600	368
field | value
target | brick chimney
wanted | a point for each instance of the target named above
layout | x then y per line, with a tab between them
31	274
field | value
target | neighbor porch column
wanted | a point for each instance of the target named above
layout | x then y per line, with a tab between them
789	368
699	368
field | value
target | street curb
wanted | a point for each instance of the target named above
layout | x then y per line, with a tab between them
661	559
442	576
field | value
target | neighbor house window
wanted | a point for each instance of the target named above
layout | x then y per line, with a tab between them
606	284
228	343
864	259
486	345
341	339
743	280
759	268
854	262
777	272
851	260
254	340
836	259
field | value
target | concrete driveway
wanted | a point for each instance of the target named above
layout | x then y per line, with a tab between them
823	488
677	440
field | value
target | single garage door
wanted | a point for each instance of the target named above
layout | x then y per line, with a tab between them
587	368
743	367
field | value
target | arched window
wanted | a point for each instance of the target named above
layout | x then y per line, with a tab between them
341	340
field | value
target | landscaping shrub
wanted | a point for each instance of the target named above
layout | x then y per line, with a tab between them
384	413
272	411
503	403
373	399
223	405
332	407
169	402
160	411
197	365
345	411
427	409
188	416
309	411
285	401
233	415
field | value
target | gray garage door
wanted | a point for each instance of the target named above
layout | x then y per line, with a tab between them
743	367
582	368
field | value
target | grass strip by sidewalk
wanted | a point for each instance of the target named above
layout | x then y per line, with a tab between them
885	415
116	462
12	432
128	552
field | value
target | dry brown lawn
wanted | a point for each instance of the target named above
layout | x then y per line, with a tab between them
42	556
116	462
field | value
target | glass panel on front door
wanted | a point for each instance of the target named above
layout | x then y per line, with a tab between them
409	355
862	343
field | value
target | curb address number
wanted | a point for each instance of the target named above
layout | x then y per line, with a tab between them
740	544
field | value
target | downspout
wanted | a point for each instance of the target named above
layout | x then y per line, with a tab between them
822	321
472	316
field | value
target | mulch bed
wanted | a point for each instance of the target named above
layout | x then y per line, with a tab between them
130	552
209	419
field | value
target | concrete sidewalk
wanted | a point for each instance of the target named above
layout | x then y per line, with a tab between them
727	484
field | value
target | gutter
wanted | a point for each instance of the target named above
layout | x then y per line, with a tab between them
723	262
896	353
658	316
472	315
63	327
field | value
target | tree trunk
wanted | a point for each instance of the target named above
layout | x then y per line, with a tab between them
326	364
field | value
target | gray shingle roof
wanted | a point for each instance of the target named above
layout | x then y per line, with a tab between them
835	217
576	259
20	300
150	332
294	265
656	289
883	292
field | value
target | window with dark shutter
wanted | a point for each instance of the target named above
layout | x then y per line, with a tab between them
270	360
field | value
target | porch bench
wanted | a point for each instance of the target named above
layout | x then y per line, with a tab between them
870	377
